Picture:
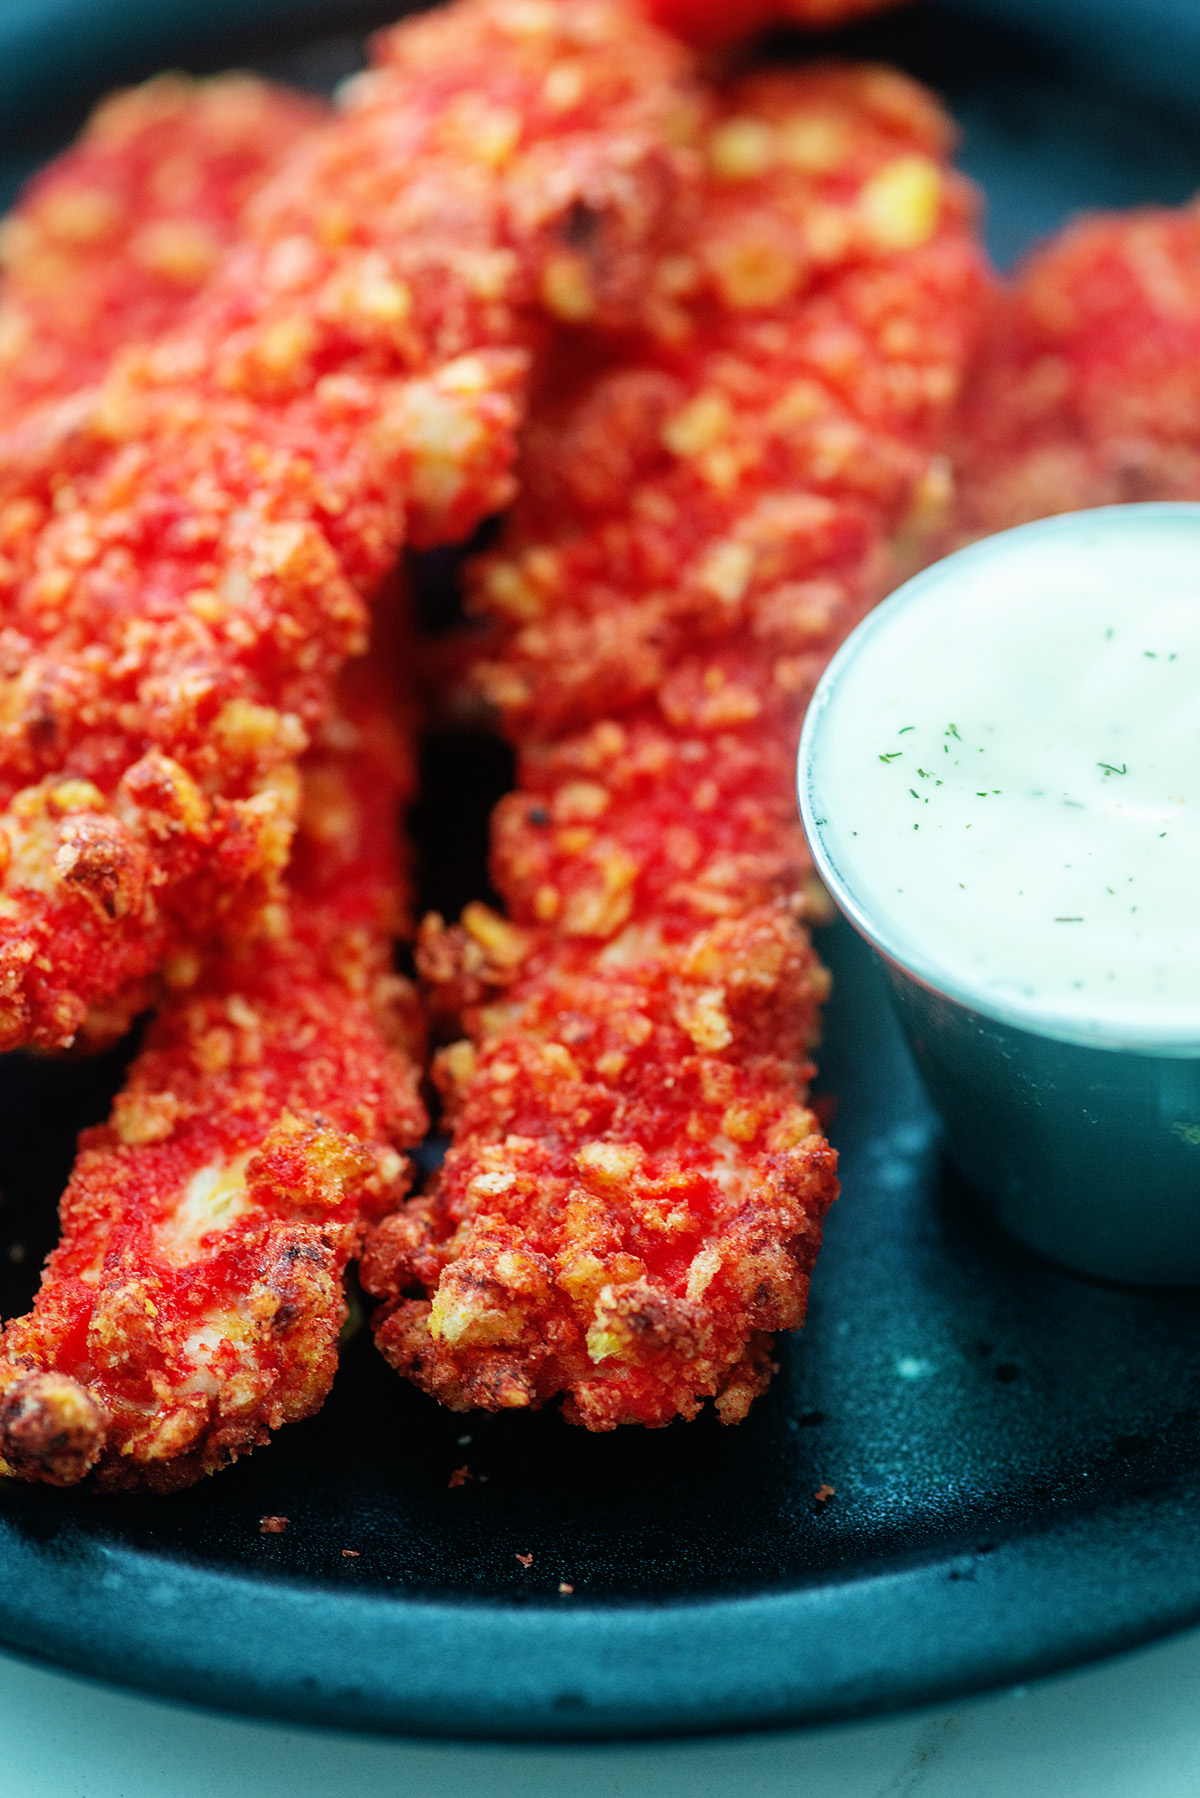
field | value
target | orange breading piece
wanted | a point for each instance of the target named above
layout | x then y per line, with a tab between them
194	1302
1087	392
186	551
634	1194
109	243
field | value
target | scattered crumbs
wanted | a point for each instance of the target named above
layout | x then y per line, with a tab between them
350	1554
824	1492
463	1441
16	1251
525	1560
272	1526
459	1477
912	1367
565	1589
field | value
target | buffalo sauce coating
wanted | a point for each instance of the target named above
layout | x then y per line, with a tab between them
1087	389
194	1302
188	548
633	1198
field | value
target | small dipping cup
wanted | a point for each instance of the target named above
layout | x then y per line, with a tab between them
1081	1130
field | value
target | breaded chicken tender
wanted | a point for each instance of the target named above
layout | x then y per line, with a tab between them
187	549
194	1302
760	475
109	243
634	1193
1087	390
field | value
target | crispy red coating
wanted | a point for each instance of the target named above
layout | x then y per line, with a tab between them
108	243
194	1302
1087	392
714	24
186	550
754	479
634	1194
634	1197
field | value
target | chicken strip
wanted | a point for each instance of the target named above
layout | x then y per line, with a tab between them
252	1312
194	1302
633	1197
1087	391
187	549
109	242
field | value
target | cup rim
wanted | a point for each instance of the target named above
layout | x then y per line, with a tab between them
909	957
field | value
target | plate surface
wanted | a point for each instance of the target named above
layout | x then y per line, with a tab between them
1015	1452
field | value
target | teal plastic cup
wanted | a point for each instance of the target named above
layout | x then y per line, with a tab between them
1084	1141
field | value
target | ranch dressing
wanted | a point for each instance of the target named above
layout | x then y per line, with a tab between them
1004	772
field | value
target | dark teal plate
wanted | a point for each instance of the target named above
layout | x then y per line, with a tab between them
1015	1453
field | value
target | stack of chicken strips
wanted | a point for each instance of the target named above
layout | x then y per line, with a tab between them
726	354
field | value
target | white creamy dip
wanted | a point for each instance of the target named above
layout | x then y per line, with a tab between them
1002	768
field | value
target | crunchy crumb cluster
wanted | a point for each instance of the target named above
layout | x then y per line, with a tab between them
634	1194
187	546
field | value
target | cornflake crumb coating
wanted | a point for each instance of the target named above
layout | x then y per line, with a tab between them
194	1302
1087	390
633	1199
187	547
